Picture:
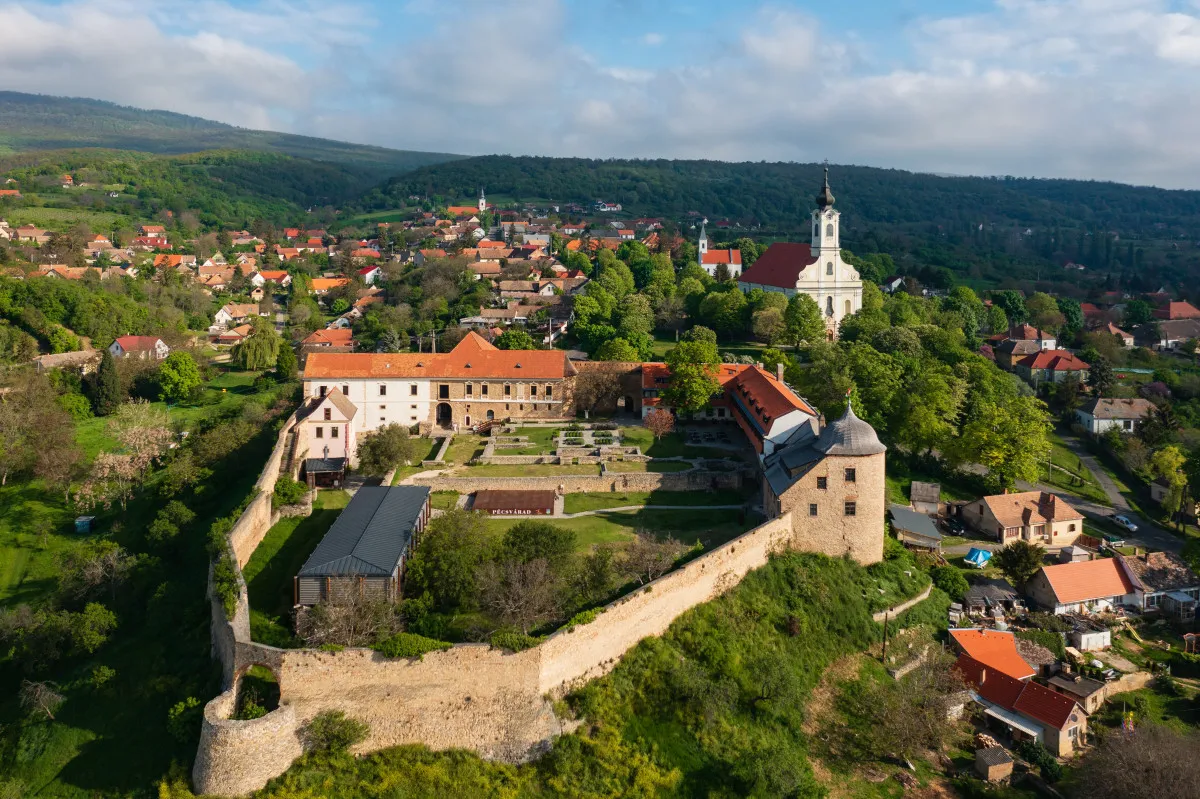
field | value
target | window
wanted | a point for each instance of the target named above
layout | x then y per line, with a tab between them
812	509
829	230
328	414
483	389
829	306
549	392
850	508
829	268
333	432
320	432
346	390
443	392
470	390
533	390
822	483
1070	528
412	390
383	389
850	475
322	390
507	390
413	407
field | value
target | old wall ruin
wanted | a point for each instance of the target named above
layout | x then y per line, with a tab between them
582	483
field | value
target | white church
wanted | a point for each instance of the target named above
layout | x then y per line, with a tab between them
815	269
711	259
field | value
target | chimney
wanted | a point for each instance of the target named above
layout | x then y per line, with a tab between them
779	371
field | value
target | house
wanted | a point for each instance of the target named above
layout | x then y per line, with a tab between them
28	234
365	550
994	650
173	261
1084	587
514	503
1126	338
1045	341
1054	366
1089	693
473	383
424	256
1177	310
1174	332
12	193
364	252
711	259
150	243
993	764
369	274
892	284
1012	350
256	294
913	528
341	337
816	269
926	497
990	595
1035	516
1025	709
152	230
141	347
1163	581
278	276
329	426
1097	416
235	312
321	285
488	269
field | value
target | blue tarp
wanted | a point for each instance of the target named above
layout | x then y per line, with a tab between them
978	557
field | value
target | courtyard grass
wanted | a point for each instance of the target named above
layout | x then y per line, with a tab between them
709	527
527	470
270	571
464	448
444	500
424	449
578	503
655	467
674	445
542	440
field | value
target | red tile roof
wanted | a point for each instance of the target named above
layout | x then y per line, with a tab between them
1028	333
138	343
274	274
364	253
1177	310
995	650
1054	361
338	337
780	265
1050	707
732	257
998	688
1087	580
1029	699
327	283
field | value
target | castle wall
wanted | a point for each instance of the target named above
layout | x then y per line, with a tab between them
579	483
831	532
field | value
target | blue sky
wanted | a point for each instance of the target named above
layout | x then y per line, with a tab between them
1073	88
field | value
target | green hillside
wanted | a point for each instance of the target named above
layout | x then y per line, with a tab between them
990	229
38	122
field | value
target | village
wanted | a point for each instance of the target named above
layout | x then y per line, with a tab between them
586	407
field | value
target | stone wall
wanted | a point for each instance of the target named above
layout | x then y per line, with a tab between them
581	483
231	753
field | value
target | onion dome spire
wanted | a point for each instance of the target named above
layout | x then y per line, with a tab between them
825	198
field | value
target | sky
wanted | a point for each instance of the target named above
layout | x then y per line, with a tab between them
1095	89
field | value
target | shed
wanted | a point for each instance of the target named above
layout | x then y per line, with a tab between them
914	528
83	524
926	497
1074	554
324	472
985	595
364	551
1087	639
993	764
515	503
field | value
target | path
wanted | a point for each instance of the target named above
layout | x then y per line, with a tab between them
895	610
644	507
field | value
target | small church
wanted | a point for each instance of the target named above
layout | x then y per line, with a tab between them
816	269
711	260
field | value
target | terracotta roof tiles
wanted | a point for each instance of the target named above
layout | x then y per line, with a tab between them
1087	580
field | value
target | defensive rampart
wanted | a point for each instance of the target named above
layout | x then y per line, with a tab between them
470	696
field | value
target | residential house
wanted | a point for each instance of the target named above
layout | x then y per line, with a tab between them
915	529
327	339
365	551
991	596
992	649
892	284
1012	350
28	234
369	274
1177	310
152	230
926	497
1035	516
526	289
277	276
1089	693
235	312
1083	587
230	336
173	261
1053	366
488	269
1163	581
328	427
424	256
1026	710
10	193
141	347
1126	338
66	272
1171	334
1100	414
1045	341
147	243
322	285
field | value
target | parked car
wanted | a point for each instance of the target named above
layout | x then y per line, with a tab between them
1113	540
954	526
1126	522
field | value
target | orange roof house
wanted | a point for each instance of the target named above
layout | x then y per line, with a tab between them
9	193
1053	365
1083	586
320	285
1177	310
995	650
336	337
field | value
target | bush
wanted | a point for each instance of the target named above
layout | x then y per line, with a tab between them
332	731
513	641
1052	641
183	719
225	583
1038	755
287	492
950	580
1048	621
76	405
584	617
408	645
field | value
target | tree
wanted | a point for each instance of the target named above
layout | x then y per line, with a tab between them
522	593
1013	305
515	338
950	580
660	422
723	311
802	321
1007	435
349	618
143	431
617	349
286	365
1166	466
1101	377
90	567
106	395
1154	762
635	316
530	540
648	558
1043	312
385	449
178	377
693	382
1072	314
768	325
40	699
260	349
444	565
1137	312
1019	561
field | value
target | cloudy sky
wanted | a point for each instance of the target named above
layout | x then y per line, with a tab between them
1104	89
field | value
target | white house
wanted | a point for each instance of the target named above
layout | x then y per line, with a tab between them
1089	586
328	427
142	347
711	259
1100	414
816	269
233	312
370	274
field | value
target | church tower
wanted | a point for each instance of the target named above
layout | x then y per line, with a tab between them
825	222
482	202
702	245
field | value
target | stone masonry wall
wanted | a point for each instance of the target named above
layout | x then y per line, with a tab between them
580	483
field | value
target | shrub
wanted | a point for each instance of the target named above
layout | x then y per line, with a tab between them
950	580
333	731
408	645
287	492
1038	755
183	718
225	583
76	405
1048	621
513	641
330	647
1052	641
584	617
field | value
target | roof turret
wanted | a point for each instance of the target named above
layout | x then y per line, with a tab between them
849	435
825	198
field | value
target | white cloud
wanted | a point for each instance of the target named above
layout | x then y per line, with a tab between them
1079	88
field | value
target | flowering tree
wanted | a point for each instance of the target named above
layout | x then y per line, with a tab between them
143	430
660	422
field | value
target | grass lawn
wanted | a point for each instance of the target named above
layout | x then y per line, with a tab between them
464	448
444	500
900	476
577	503
424	449
1153	705
527	470
542	440
1070	474
275	562
660	467
673	445
710	527
60	218
27	560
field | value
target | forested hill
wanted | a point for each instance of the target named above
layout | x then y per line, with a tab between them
39	122
934	220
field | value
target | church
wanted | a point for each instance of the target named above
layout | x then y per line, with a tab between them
710	260
815	269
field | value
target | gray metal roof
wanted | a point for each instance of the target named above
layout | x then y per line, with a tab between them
370	535
908	520
849	435
993	756
324	465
